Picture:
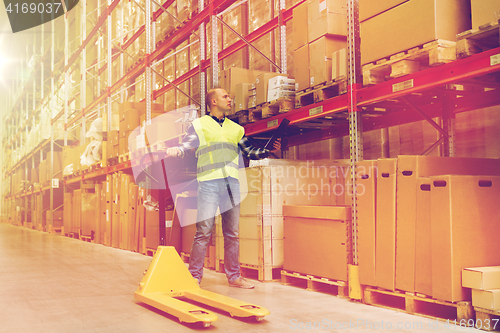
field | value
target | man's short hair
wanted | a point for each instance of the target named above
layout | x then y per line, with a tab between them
210	95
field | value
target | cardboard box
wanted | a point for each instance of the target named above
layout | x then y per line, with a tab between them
103	213
233	76
153	227
326	18
126	181
140	107
142	118
68	153
274	94
423	254
189	230
67	211
320	61
486	299
484	12
317	241
339	64
98	212
113	138
300	23
411	24
115	210
301	71
123	146
464	230
385	249
261	84
483	278
57	222
281	81
77	212
133	227
163	128
370	8
88	219
367	179
409	169
56	166
109	202
241	96
130	120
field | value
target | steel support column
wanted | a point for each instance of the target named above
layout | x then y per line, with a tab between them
215	47
355	131
203	56
449	126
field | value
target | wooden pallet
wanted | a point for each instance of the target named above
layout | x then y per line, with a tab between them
474	41
269	109
113	161
150	252
487	320
417	305
86	238
72	235
431	54
313	283
185	257
259	273
242	117
321	92
54	230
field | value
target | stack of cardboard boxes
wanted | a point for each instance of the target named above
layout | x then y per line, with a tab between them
319	31
418	230
484	12
239	80
131	116
265	189
280	87
485	285
391	26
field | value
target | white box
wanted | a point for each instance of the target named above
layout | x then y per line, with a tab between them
278	81
274	94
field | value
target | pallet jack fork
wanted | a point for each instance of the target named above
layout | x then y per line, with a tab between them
168	278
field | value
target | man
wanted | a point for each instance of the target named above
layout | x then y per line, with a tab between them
218	141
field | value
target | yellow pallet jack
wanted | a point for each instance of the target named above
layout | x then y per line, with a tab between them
167	278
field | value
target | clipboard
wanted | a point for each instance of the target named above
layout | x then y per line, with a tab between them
277	134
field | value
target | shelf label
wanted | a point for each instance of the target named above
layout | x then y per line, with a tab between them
55	183
272	123
316	110
402	85
495	59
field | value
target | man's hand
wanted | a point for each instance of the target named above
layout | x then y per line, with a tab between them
173	152
276	145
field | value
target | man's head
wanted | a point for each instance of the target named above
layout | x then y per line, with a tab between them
218	100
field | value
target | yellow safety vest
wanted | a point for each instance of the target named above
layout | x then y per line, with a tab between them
218	151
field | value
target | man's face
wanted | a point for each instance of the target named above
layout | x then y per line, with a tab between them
223	101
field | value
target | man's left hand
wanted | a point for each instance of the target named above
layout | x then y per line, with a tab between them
276	145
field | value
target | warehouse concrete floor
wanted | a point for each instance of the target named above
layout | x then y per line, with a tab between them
51	283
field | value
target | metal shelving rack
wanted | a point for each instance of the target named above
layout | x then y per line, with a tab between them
425	95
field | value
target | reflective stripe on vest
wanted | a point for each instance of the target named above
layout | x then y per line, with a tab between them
216	146
216	166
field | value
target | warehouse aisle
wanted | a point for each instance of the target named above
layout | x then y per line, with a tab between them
51	284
